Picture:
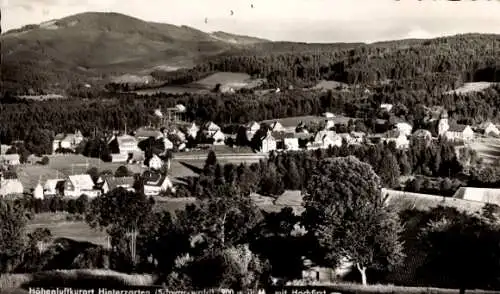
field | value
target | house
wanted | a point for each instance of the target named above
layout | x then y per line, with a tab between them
459	133
277	127
325	139
422	135
10	187
53	187
155	162
78	185
210	128
268	143
322	274
484	195
155	183
67	141
404	128
488	129
10	159
443	124
386	106
147	132
110	183
124	144
328	115
291	144
219	138
38	191
192	130
358	137
398	138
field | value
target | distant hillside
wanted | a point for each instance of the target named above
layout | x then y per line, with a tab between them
86	47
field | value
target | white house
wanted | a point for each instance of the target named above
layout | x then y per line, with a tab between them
268	143
209	129
489	128
125	144
155	162
67	141
358	137
443	125
38	191
325	139
328	115
10	159
329	124
459	133
167	143
404	127
10	186
78	185
219	138
386	106
53	187
155	183
398	138
291	144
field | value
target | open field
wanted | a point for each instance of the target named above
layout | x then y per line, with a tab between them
487	148
62	228
75	164
29	175
225	79
471	87
329	85
42	97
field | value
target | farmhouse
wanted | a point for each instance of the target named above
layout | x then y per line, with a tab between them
53	187
155	162
218	138
328	115
111	183
38	191
488	129
398	138
291	144
123	148
459	133
209	129
10	159
155	183
78	185
325	139
268	143
10	186
67	141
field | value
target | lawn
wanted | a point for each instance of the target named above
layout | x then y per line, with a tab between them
78	164
230	79
487	148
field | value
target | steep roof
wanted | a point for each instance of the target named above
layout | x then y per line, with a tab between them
148	132
126	139
83	181
115	182
52	184
11	186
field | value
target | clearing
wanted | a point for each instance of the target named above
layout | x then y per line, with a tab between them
487	148
229	79
471	87
330	85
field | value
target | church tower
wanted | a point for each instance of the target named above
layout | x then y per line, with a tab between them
443	125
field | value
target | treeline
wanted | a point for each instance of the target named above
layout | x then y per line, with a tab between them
291	170
449	59
19	119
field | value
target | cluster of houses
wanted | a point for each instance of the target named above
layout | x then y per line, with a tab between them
74	186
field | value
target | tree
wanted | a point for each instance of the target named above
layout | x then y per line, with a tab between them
122	214
12	227
122	171
45	160
210	163
346	214
389	170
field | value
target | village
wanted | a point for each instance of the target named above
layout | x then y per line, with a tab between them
189	141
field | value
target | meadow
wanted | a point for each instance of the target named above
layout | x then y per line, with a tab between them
487	148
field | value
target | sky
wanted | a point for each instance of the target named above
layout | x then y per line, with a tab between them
284	20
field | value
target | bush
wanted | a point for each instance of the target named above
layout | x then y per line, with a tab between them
45	160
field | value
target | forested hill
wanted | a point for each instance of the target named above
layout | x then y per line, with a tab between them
60	55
